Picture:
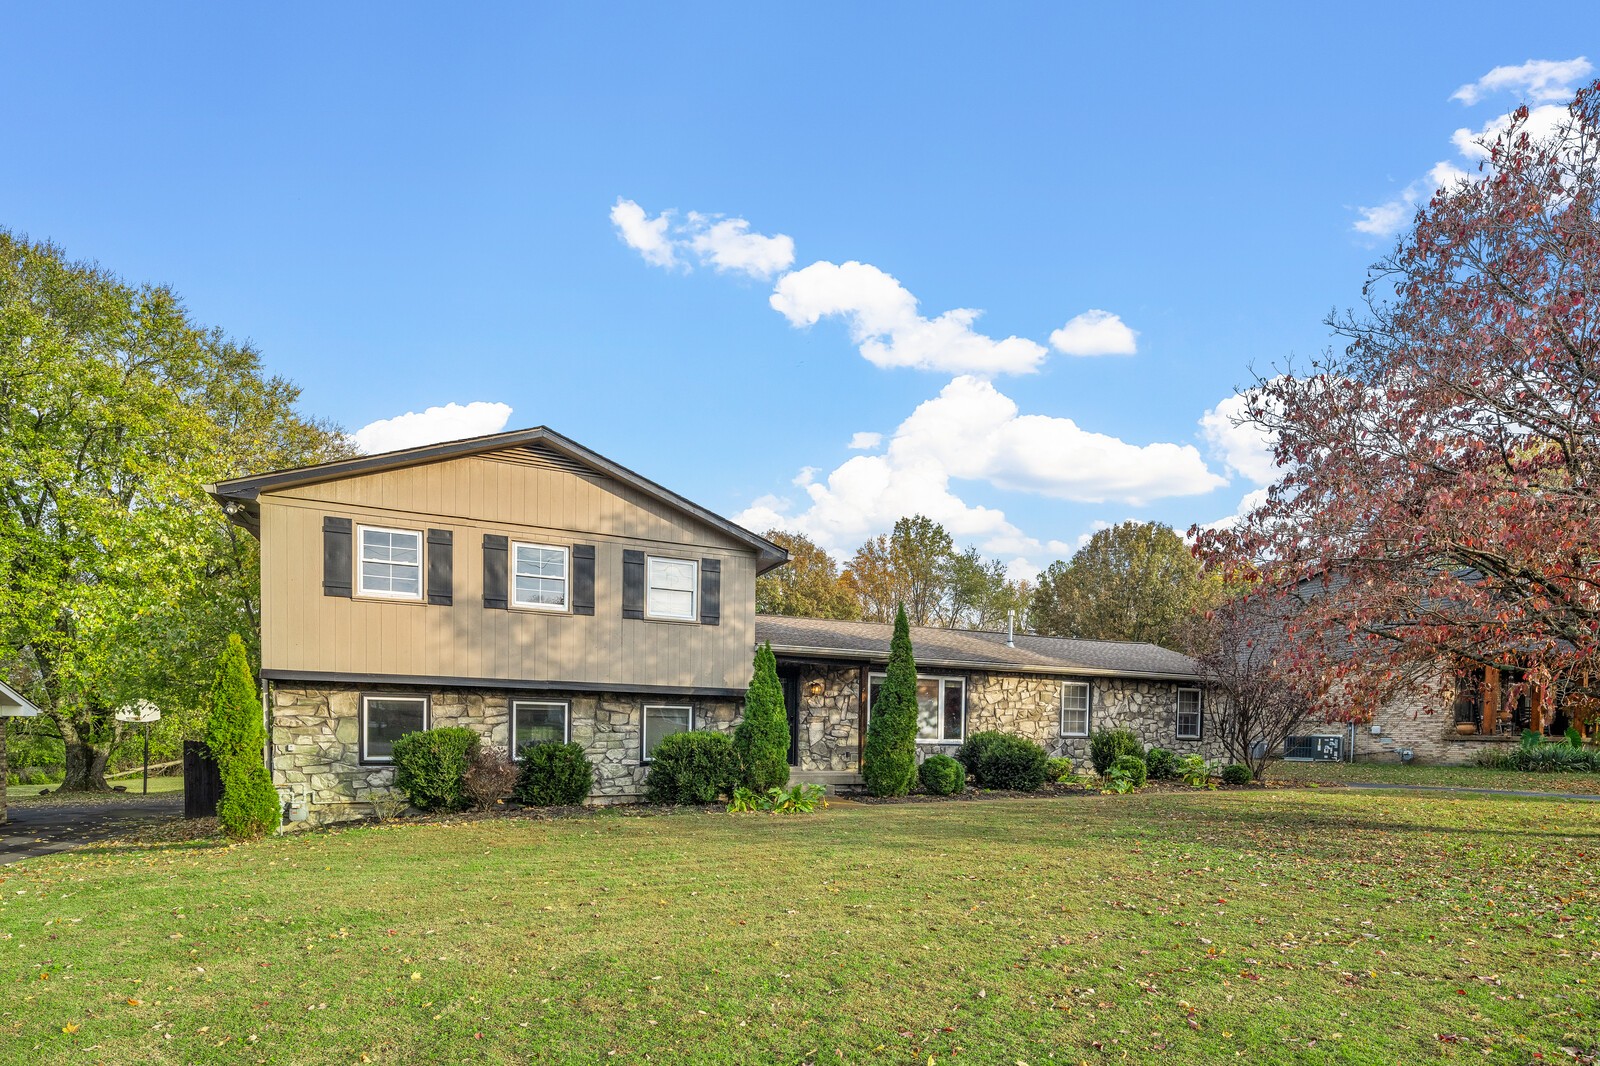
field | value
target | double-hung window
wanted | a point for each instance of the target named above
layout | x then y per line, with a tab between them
385	719
661	720
391	563
941	706
1189	714
539	577
1075	708
674	585
537	722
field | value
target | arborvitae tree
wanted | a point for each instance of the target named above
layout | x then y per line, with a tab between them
889	764
249	804
762	739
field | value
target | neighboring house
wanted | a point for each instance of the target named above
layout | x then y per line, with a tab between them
528	588
1053	690
12	705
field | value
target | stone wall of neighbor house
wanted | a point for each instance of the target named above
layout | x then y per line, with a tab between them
316	746
1421	722
1028	706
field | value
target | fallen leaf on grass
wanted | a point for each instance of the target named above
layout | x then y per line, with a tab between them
70	1028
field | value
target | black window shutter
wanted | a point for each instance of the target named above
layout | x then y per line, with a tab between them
710	592
583	579
336	533
632	584
441	567
494	571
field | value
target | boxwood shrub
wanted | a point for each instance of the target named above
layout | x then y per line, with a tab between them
942	775
553	774
694	767
1011	763
430	767
1107	744
1162	764
971	750
1138	773
1236	773
1060	769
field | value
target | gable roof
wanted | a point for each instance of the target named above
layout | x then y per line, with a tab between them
13	704
238	496
824	638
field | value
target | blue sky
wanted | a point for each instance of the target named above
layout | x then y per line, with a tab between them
406	208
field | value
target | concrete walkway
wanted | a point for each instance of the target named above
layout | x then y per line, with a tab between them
1580	796
39	827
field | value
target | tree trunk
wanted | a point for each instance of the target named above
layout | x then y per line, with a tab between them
86	760
5	768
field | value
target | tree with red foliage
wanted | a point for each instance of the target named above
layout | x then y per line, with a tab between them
1439	496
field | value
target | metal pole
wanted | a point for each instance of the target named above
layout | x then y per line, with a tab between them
146	790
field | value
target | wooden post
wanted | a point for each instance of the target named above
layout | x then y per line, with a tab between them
1491	700
861	721
1536	709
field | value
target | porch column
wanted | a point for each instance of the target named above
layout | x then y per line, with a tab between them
1536	709
1491	700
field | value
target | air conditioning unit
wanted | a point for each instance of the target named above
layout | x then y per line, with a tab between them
1313	749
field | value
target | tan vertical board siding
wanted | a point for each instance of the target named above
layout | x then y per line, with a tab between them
304	630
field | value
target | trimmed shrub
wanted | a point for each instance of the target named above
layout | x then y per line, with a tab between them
1012	763
762	739
430	767
1162	764
692	767
490	779
889	761
942	775
1136	769
1059	769
249	806
971	751
1107	744
553	774
1560	757
1236	773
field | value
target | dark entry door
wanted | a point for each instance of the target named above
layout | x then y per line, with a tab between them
791	705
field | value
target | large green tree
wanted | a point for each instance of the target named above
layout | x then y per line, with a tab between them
1133	581
118	575
808	586
916	567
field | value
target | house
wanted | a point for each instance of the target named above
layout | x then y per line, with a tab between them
531	589
12	705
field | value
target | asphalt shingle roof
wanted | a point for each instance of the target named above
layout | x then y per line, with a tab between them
868	641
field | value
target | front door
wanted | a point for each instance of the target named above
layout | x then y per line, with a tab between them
790	682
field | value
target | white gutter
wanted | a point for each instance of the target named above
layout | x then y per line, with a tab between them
986	664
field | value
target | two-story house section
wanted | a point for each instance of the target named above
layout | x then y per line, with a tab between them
519	584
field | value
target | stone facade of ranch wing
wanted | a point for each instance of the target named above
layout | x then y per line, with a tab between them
526	587
1054	691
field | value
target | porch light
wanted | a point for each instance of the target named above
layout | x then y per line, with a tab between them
814	689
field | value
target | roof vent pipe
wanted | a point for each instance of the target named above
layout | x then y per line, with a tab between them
1011	629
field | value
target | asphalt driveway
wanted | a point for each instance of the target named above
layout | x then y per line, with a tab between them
42	827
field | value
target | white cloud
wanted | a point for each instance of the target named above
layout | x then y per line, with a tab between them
413	429
1538	80
884	323
1095	332
1245	449
725	244
1252	499
645	235
729	245
1541	81
863	442
972	431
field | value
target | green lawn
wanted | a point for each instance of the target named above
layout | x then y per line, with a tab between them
1294	925
1396	773
30	793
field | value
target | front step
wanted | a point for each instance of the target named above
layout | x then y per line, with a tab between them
832	780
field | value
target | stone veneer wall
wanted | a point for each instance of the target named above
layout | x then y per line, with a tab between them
1028	706
321	725
1405	723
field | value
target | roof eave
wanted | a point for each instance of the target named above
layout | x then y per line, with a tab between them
996	666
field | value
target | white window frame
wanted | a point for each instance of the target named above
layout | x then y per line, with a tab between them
1088	708
1200	715
694	592
943	680
565	605
368	697
382	594
566	720
644	725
